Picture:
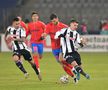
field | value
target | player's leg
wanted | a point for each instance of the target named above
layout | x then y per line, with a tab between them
35	54
56	53
78	60
66	64
67	69
27	56
40	50
71	60
16	58
40	53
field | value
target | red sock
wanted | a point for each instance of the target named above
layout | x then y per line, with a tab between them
68	68
35	57
69	65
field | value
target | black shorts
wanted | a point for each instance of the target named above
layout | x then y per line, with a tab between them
25	53
74	56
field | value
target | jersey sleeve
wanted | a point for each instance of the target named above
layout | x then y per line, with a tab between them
78	38
8	29
60	33
23	33
43	26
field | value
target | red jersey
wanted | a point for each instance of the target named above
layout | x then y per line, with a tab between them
36	29
23	25
51	29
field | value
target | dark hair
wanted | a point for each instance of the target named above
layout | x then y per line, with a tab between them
33	13
73	20
15	19
27	21
52	16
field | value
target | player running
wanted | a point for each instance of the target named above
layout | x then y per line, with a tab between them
16	35
36	29
70	39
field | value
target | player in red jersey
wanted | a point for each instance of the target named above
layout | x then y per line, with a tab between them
36	29
51	29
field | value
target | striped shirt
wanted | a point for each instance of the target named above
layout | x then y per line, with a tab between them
70	39
19	33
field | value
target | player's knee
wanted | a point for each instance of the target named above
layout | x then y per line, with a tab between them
15	58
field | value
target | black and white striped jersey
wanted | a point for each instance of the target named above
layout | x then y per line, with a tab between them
20	32
68	39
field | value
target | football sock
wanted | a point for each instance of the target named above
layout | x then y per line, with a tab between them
36	70
68	68
79	70
35	57
20	66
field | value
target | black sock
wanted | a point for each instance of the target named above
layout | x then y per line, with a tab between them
75	72
36	70
20	66
78	69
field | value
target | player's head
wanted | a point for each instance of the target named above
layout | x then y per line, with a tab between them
16	23
19	18
73	24
54	19
34	16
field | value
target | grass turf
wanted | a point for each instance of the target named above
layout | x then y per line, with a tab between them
11	78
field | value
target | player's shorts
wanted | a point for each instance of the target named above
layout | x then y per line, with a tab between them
37	48
74	56
56	53
25	53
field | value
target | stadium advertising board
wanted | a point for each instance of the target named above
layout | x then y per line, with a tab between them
96	43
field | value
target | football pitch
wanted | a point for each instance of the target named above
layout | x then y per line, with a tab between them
11	78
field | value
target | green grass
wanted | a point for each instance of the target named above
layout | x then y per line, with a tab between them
11	78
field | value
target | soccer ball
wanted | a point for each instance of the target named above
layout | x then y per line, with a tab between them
64	79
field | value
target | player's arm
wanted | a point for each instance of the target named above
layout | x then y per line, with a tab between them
84	40
60	33
81	41
45	32
8	39
6	34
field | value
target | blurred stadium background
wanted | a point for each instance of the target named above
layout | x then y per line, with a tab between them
92	12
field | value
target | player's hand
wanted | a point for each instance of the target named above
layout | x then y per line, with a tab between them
41	38
84	40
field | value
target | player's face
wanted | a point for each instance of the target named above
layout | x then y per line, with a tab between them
35	17
73	25
16	24
55	21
